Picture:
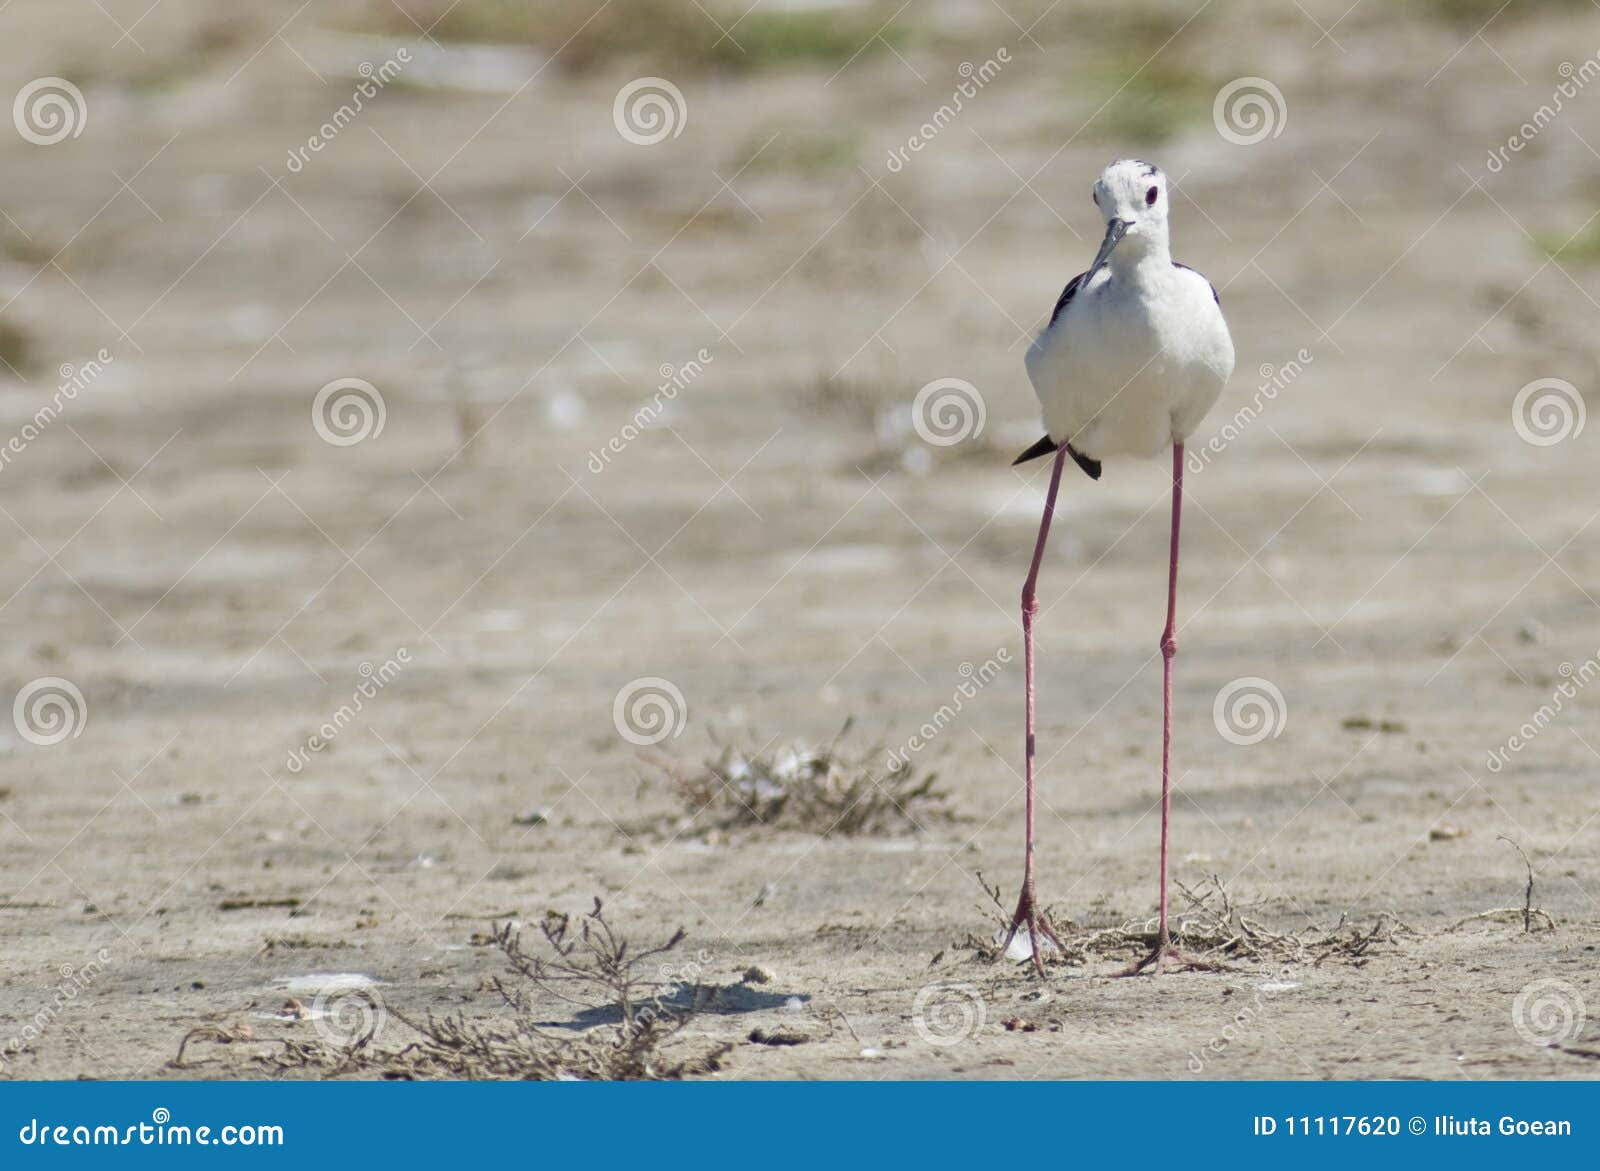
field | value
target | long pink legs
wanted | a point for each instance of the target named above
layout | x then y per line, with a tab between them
1027	913
1164	952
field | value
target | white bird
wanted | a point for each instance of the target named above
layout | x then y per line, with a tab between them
1135	354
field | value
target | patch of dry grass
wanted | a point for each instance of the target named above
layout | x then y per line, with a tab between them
828	790
1212	927
1477	13
582	961
669	33
1583	248
1148	104
16	349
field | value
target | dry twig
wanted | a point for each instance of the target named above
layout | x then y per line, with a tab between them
1212	926
584	961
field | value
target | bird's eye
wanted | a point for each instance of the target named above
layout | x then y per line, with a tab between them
1150	196
1094	196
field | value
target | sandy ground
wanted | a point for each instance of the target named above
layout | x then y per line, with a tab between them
1378	543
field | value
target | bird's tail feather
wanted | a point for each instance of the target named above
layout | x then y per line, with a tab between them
1045	446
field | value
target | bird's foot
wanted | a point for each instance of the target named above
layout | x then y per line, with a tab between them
1165	957
1040	934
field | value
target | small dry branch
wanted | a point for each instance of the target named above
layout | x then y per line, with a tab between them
1212	926
582	960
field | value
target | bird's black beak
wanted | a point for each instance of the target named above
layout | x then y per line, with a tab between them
1115	230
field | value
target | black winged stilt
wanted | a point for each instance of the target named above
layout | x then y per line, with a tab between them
1135	354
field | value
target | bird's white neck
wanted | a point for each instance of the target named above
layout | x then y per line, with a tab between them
1140	258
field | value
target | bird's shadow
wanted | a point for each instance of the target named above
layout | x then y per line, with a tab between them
714	999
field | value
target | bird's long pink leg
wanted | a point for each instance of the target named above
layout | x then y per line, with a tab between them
1164	951
1169	648
1027	913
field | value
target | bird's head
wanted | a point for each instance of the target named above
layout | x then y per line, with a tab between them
1132	196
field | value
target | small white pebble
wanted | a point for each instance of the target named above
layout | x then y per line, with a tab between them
1021	946
564	409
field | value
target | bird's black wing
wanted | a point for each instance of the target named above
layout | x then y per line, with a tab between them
1203	277
1091	467
1066	296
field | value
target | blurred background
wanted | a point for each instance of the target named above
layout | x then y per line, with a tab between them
424	419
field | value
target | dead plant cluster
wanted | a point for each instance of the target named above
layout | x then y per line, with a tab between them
1215	929
638	1002
828	790
1212	927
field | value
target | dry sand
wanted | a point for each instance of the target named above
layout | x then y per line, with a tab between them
511	274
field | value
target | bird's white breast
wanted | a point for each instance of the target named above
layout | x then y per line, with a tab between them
1133	362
